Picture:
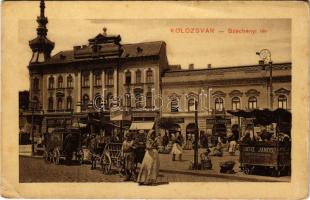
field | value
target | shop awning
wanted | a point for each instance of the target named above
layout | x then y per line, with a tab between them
141	125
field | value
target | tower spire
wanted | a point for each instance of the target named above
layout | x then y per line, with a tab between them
41	46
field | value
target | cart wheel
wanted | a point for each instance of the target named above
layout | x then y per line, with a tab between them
248	170
105	163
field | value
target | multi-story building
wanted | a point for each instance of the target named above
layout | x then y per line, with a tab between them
64	86
67	83
220	89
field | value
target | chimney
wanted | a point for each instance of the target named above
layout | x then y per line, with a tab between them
209	66
191	66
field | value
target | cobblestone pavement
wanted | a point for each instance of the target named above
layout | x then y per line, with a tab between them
36	170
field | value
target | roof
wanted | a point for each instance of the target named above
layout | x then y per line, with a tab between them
220	70
135	50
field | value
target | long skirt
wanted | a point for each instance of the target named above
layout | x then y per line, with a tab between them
176	149
149	167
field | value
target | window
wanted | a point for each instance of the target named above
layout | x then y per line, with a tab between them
110	78
50	103
235	103
174	105
138	76
60	82
109	100
69	81
69	103
85	102
219	104
128	100
36	103
139	100
191	104
35	84
149	99
252	103
97	80
51	82
85	80
149	76
128	78
282	102
59	104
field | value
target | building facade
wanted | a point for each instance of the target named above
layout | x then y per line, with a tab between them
137	78
220	89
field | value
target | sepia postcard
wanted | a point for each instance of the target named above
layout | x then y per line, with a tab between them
146	99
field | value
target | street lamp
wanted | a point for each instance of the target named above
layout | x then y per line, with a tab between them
265	56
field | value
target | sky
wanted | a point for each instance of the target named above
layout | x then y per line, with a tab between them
197	41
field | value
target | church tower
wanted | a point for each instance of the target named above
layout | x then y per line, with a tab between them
41	46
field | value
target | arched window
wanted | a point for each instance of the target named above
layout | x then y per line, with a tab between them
138	76
149	76
50	104
60	82
85	80
69	103
282	102
35	84
85	102
69	81
219	104
97	79
59	104
252	102
174	105
51	82
191	104
128	78
235	102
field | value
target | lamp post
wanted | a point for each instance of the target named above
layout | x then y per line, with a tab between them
265	56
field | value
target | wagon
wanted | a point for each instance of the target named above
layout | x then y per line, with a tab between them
63	144
268	157
112	160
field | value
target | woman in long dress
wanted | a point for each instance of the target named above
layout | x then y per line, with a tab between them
150	164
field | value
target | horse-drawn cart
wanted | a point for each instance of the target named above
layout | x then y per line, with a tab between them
63	144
